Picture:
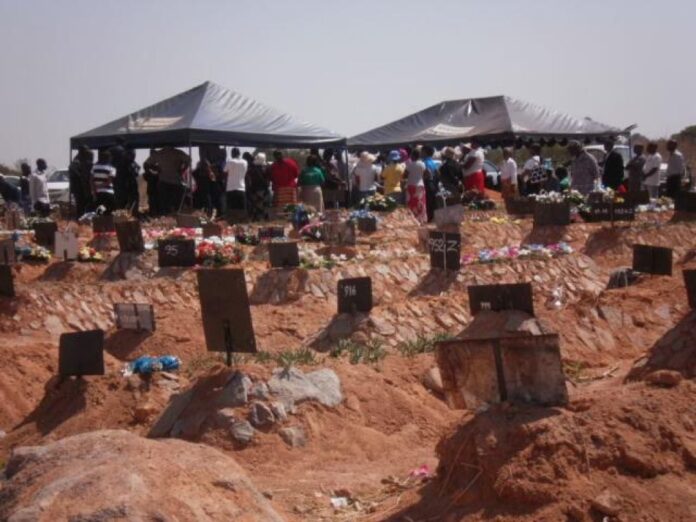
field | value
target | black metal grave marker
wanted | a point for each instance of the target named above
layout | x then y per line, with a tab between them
176	252
517	296
552	214
225	311
652	260
81	353
283	255
130	236
445	250
7	252
45	233
268	233
103	224
6	281
134	316
354	295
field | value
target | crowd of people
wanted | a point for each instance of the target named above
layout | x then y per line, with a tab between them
247	186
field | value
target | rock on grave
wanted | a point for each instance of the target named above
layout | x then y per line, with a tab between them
293	386
666	378
242	431
236	391
259	390
278	409
432	380
607	503
294	436
225	417
261	415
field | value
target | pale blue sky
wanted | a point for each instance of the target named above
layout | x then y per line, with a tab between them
71	65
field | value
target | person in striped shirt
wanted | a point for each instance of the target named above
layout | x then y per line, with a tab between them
102	181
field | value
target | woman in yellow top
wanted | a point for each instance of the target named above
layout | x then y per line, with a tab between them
392	175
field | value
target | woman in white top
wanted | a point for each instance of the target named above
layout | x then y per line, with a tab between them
508	175
415	187
365	175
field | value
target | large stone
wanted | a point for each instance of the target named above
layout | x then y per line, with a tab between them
294	387
225	417
261	415
242	431
189	427
607	503
165	422
433	380
279	411
236	391
259	390
117	475
294	436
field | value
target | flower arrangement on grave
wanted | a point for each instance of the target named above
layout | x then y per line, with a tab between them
178	233
361	213
573	197
378	203
301	216
548	197
511	253
311	260
89	255
215	252
313	231
33	253
659	205
27	223
244	236
503	220
474	200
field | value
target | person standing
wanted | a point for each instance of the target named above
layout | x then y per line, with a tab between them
676	169
450	174
132	171
310	181
584	171
151	171
284	174
103	178
258	188
365	175
204	178
508	175
79	173
533	171
24	187
651	170
613	173
635	169
392	174
415	187
38	189
171	185
472	167
235	186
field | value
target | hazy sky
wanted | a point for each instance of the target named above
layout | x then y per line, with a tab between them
68	66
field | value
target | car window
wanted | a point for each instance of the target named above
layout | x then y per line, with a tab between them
59	175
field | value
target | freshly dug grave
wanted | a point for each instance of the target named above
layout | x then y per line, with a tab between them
115	475
623	451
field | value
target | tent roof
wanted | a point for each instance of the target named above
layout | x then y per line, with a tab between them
489	119
209	113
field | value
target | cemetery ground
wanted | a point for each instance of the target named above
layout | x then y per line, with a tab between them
344	416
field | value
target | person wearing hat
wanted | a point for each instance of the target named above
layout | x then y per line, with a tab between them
451	173
584	171
365	175
392	175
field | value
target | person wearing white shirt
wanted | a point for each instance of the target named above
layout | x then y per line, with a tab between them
675	169
651	170
236	170
472	168
365	175
38	189
508	175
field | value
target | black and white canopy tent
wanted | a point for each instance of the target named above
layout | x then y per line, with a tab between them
209	114
493	120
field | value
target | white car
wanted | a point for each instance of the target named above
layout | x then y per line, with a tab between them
59	186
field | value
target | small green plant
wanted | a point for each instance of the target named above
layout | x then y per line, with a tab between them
290	358
341	348
422	344
204	362
574	370
263	357
368	353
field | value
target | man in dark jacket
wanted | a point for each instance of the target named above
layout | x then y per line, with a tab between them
613	174
80	171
